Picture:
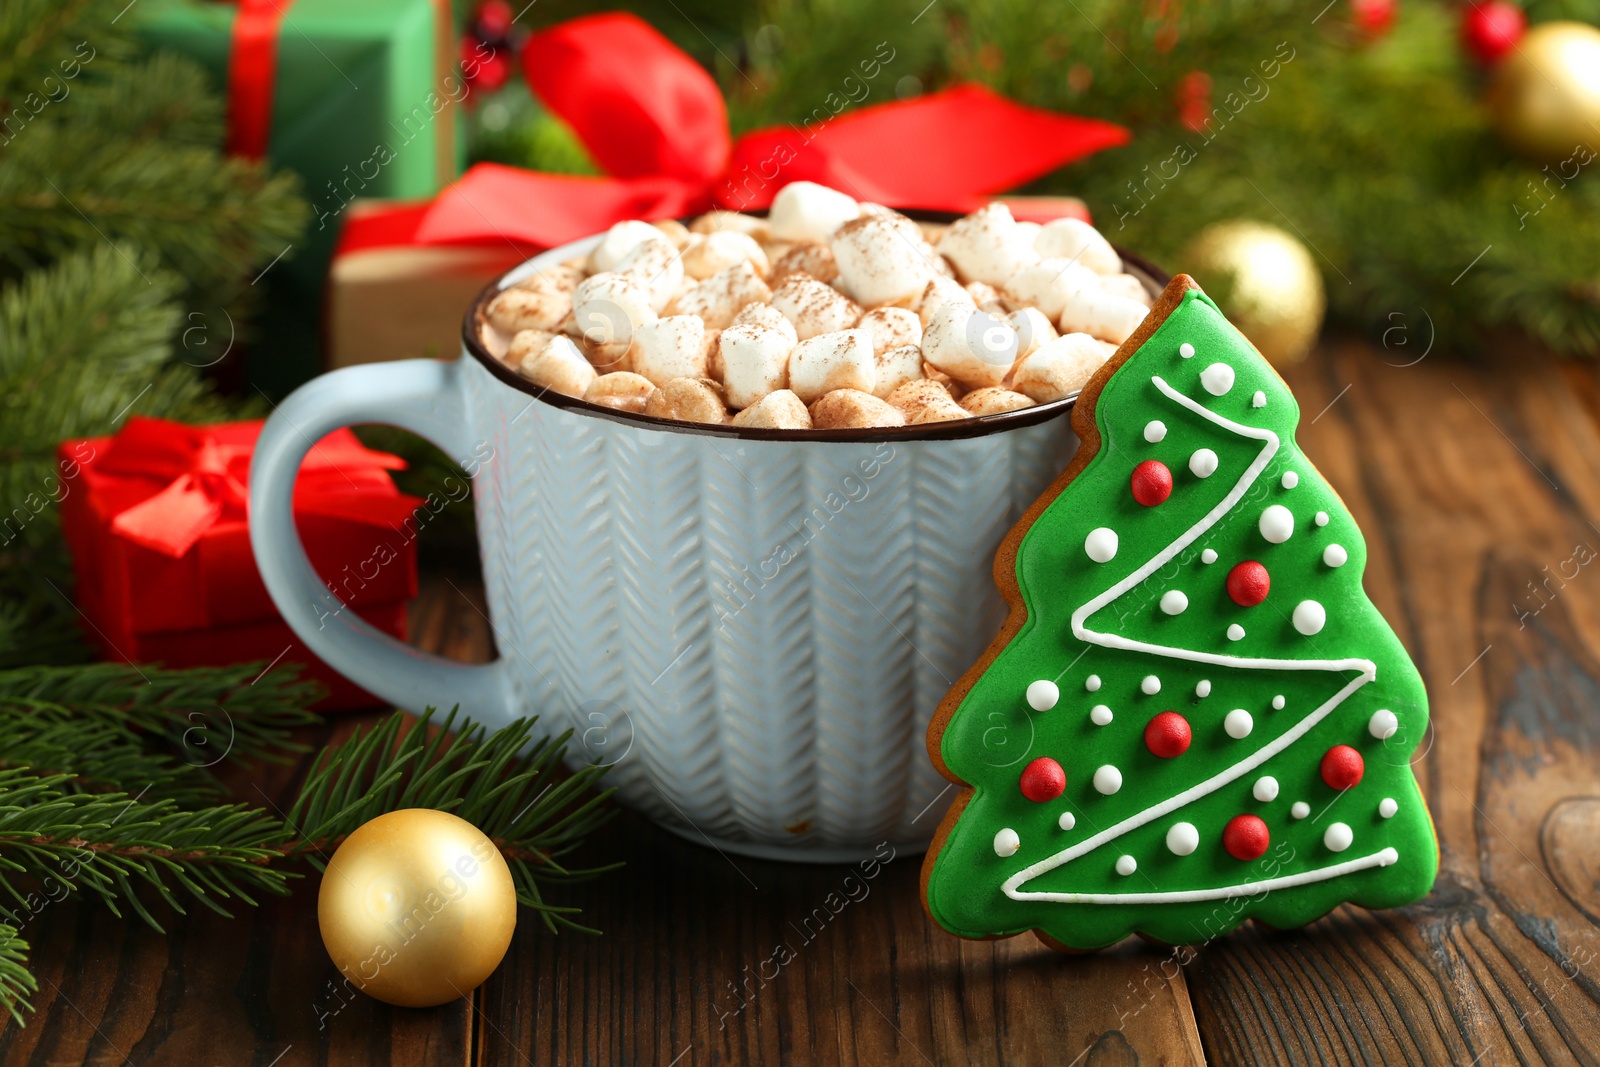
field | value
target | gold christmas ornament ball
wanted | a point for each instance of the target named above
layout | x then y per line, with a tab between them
417	907
1544	98
1264	281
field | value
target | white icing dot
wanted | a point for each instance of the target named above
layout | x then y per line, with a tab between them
1107	779
1259	400
1092	683
1238	723
1335	555
1383	724
1043	694
1100	715
1174	601
1290	479
1006	842
1067	820
1183	838
1338	837
1186	350
1203	464
1322	518
1203	689
1309	617
1277	523
1235	632
1217	378
1208	555
1278	702
1151	685
1299	809
1126	865
1154	430
1387	807
1265	789
1101	544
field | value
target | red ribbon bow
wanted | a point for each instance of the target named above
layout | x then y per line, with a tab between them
206	471
655	121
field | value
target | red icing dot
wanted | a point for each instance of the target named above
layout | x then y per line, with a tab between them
1248	584
1246	837
1168	735
1152	482
1342	767
1043	780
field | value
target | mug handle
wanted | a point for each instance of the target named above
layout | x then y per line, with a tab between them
426	397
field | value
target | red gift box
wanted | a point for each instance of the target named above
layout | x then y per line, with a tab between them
156	520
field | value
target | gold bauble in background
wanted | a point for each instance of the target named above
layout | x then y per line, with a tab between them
417	907
1265	282
1544	97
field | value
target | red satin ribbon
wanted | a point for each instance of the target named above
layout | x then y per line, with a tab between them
655	120
253	75
206	471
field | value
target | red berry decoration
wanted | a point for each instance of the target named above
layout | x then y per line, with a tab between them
1152	482
1246	837
1342	767
1248	584
1373	17
1168	735
1490	30
1043	780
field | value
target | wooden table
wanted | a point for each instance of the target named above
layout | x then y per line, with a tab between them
1477	486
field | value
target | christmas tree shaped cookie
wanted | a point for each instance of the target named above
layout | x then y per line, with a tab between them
1194	715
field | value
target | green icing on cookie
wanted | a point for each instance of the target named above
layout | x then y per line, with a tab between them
1139	841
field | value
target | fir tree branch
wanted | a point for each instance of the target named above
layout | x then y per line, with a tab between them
17	983
509	786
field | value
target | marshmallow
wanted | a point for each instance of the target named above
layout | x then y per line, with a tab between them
676	232
987	246
657	266
718	251
973	347
1101	314
891	328
607	309
766	315
1076	240
806	211
1033	329
994	401
673	347
934	296
536	303
894	367
849	409
951	386
780	410
925	401
523	344
688	400
755	362
984	295
830	361
1047	284
1058	368
715	221
620	390
718	299
882	258
1028	231
813	307
809	257
621	239
1126	285
557	365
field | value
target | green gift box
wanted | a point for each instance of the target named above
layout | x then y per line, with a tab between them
357	96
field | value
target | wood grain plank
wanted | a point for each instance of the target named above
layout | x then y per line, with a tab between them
1473	483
